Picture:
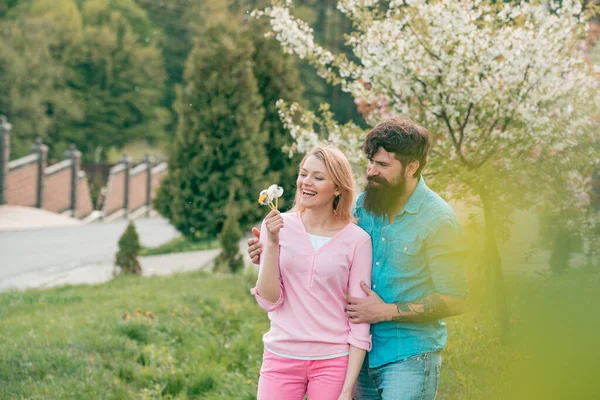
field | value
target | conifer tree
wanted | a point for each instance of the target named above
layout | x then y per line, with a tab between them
229	239
129	249
277	78
219	139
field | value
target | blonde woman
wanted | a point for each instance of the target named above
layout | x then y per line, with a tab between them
313	257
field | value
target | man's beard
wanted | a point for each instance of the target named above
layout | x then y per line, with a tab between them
379	199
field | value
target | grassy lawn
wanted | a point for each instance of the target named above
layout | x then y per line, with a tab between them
187	336
178	245
198	336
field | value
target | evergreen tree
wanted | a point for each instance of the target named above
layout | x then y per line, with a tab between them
83	72
219	139
277	78
129	249
118	77
229	238
177	23
30	75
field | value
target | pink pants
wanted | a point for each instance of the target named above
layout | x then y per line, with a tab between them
288	379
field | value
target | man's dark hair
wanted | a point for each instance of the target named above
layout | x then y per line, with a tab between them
401	136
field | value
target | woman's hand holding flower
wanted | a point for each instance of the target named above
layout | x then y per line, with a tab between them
274	223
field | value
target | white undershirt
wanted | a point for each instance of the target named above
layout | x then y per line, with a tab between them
318	241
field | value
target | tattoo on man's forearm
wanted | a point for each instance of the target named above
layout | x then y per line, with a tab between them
429	308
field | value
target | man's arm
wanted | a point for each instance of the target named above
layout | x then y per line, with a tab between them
373	309
445	260
429	308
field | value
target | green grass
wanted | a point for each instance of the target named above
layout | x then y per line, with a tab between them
179	245
188	336
198	336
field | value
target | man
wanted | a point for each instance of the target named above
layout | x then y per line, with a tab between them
418	274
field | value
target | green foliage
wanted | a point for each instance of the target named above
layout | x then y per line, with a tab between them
80	72
229	238
6	5
562	241
179	245
219	142
103	74
118	77
330	30
129	249
192	334
162	201
277	78
31	91
134	331
176	25
331	26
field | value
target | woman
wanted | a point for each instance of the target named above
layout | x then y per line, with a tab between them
312	257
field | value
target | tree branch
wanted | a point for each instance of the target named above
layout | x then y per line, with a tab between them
431	53
446	119
464	124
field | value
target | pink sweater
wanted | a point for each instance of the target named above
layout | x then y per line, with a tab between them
308	319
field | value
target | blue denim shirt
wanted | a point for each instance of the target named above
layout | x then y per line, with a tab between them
420	253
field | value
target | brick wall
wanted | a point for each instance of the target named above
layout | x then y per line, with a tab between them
137	190
21	185
84	200
114	192
57	190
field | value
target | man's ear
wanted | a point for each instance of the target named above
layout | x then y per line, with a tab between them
411	168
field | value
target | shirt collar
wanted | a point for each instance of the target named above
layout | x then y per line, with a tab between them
413	204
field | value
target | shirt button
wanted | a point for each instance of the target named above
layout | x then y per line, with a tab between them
383	239
377	263
374	286
406	248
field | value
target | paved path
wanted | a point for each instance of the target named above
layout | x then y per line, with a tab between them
85	254
52	251
14	218
102	272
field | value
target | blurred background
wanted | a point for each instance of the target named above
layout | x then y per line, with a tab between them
136	137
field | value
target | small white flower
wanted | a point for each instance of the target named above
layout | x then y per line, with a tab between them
275	192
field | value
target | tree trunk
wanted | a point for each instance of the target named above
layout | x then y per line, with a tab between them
494	265
562	248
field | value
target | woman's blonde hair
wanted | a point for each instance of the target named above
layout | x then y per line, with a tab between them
338	167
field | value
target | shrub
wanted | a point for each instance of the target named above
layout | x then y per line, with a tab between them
129	249
229	238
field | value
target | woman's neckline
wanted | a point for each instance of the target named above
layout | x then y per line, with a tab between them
335	233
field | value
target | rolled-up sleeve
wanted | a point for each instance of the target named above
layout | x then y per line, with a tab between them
264	304
359	335
267	305
446	257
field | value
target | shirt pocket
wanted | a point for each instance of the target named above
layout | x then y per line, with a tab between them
408	254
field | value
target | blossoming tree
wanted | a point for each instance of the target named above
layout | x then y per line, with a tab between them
503	88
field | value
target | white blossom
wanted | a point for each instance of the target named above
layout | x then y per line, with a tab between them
503	89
